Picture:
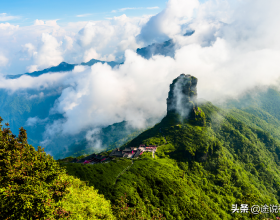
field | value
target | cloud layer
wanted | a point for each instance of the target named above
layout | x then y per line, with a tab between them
46	44
234	48
139	8
5	17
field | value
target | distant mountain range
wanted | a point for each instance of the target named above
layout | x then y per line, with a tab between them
166	48
63	67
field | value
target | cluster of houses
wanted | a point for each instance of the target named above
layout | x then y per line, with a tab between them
132	152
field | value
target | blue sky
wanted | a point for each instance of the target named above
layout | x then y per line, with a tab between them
26	11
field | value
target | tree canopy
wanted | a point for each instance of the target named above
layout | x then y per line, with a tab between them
34	186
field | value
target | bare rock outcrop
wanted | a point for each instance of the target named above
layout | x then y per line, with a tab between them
182	96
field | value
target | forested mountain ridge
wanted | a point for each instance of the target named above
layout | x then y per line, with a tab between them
200	170
208	161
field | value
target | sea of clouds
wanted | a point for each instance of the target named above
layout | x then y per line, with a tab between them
235	47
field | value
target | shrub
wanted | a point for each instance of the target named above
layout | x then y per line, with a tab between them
85	202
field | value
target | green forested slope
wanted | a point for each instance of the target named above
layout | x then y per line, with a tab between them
201	171
33	185
263	103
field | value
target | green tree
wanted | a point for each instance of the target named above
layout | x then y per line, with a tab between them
142	211
29	180
34	186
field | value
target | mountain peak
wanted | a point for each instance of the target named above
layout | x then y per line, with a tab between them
182	98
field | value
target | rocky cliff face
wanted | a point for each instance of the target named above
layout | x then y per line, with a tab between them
182	96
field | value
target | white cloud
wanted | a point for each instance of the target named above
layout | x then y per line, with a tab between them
91	54
13	41
39	22
33	121
108	38
139	8
27	82
3	60
7	26
28	51
29	48
93	139
5	17
124	9
47	22
152	8
48	55
40	95
138	89
167	23
83	15
69	42
103	95
32	68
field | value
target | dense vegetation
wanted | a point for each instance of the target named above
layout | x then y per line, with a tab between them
34	186
199	172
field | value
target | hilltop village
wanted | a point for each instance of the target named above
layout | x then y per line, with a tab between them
132	152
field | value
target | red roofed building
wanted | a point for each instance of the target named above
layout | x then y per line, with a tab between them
151	148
